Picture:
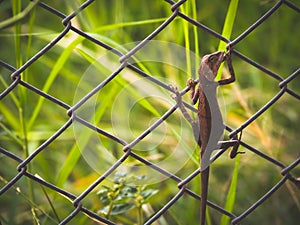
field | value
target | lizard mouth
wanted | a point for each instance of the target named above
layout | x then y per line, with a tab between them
220	58
214	62
210	65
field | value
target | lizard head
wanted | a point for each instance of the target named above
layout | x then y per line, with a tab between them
211	63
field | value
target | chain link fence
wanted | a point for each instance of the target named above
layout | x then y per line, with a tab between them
127	61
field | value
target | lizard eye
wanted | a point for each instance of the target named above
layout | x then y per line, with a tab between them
211	59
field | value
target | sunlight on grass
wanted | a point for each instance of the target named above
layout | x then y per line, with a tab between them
130	104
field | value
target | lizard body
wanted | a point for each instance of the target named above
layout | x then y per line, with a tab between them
209	126
209	118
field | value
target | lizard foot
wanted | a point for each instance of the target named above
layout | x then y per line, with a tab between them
191	83
176	96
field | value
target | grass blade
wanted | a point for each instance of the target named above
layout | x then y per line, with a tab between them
227	28
230	200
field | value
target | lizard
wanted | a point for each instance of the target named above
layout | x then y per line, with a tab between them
209	127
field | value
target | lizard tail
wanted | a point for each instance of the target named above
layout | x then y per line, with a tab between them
204	191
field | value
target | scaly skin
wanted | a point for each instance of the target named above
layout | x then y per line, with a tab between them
207	108
209	127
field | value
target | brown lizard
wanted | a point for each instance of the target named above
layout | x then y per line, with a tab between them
209	126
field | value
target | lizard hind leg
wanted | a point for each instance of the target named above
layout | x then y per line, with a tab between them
234	143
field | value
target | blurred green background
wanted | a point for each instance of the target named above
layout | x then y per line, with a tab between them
127	106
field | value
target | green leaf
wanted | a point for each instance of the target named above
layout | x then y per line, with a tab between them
117	209
60	63
146	194
103	196
18	17
128	191
230	200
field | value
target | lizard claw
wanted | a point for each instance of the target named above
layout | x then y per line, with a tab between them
234	151
229	49
173	87
191	83
176	96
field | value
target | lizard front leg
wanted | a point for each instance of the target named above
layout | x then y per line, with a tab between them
193	123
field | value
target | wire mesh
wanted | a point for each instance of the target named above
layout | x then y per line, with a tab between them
128	150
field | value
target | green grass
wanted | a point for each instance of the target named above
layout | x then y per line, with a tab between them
74	67
227	28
